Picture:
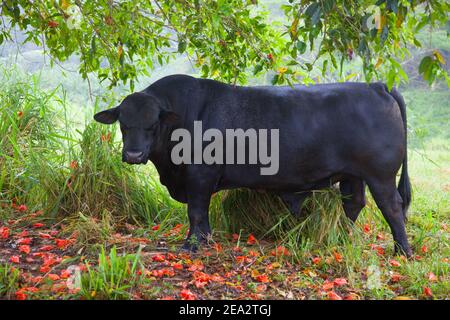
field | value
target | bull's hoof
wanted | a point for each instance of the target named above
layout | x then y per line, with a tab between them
407	252
189	247
194	242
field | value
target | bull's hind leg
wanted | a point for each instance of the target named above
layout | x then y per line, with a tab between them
353	197
390	203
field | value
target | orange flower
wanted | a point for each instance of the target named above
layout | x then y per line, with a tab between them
396	277
427	291
177	266
187	295
316	260
280	251
394	263
158	258
74	164
14	259
62	243
23	241
107	137
432	277
340	282
263	278
53	277
22	208
25	249
20	295
333	296
251	239
327	285
338	257
46	248
4	233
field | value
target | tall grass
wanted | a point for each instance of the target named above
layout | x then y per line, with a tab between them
48	165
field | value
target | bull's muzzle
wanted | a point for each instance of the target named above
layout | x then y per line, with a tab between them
134	157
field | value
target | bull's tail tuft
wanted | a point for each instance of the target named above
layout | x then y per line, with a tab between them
404	185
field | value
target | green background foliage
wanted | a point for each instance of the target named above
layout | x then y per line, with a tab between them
230	39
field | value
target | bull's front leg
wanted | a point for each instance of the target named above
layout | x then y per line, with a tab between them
199	231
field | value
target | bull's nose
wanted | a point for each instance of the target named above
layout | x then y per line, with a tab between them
134	156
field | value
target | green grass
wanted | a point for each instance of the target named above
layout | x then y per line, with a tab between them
9	280
115	276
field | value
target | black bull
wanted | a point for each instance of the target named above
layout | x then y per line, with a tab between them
351	133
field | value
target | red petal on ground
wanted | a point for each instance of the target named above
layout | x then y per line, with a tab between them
197	265
158	258
427	291
187	295
36	279
237	249
44	269
14	259
394	263
263	278
25	249
23	234
333	295
46	248
156	228
24	241
38	225
171	256
340	282
396	277
177	266
22	208
253	253
280	251
62	243
20	295
45	235
316	260
366	228
424	249
218	247
4	233
251	239
380	236
53	277
327	285
338	257
432	277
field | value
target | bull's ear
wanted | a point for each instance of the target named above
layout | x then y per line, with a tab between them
169	118
107	116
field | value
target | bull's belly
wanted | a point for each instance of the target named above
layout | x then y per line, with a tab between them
283	182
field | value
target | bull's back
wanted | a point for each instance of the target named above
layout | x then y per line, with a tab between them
324	130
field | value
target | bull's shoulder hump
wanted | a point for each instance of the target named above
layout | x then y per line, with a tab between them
173	80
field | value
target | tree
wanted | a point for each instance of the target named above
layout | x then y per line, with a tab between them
226	39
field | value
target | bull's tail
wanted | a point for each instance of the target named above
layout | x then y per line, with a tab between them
404	185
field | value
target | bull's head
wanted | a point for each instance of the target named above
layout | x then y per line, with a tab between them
143	118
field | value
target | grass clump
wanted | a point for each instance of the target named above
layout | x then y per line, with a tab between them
115	276
9	280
